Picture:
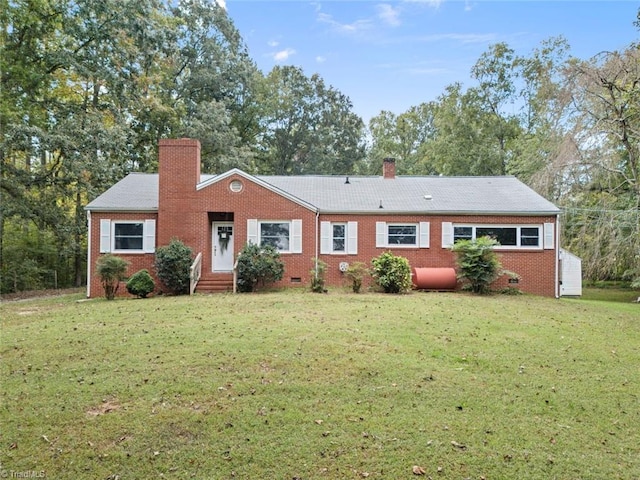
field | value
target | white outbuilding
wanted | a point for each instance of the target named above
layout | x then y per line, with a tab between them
570	274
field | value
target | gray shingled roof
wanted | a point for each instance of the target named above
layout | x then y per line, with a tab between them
137	192
331	194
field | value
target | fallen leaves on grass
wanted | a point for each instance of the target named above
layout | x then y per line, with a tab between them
417	470
458	445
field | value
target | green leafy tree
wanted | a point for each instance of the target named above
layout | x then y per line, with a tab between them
306	127
258	266
403	137
141	284
173	266
88	89
392	273
111	270
478	263
601	178
212	86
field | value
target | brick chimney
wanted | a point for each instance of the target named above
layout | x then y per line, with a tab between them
178	175
178	165
389	168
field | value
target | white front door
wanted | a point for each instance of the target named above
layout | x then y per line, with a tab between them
222	255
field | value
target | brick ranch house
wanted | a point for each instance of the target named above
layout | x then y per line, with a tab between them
337	219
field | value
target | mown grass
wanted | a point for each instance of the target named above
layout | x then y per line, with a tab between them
625	295
299	385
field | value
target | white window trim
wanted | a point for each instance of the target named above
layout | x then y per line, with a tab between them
295	233
350	240
108	239
448	234
422	234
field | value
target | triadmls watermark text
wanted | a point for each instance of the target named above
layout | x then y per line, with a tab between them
22	473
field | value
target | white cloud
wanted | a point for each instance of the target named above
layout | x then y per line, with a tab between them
348	28
222	3
461	38
321	59
431	3
283	55
388	14
273	43
464	38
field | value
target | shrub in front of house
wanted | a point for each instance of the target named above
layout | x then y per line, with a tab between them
173	266
141	284
478	263
356	273
111	270
318	276
391	273
258	266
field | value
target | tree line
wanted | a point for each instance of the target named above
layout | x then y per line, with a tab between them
88	88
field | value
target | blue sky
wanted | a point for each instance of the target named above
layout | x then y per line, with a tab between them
391	55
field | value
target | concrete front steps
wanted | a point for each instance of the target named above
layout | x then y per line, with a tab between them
215	283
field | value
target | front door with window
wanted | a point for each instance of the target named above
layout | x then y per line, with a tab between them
222	254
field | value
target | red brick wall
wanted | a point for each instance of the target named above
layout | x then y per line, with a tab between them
535	267
137	261
253	202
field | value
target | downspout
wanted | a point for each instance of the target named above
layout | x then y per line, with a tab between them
317	245
89	234
557	244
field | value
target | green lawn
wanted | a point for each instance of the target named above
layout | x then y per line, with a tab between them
299	385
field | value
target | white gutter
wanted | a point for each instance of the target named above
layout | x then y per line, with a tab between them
441	213
317	244
89	253
557	245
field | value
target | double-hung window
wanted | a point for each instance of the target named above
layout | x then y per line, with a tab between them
284	235
276	234
127	236
402	234
530	236
339	238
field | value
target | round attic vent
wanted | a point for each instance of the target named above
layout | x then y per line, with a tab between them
235	186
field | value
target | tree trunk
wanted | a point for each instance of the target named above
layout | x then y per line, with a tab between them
78	251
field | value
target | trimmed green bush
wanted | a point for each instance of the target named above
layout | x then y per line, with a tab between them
173	265
141	284
258	266
478	263
111	270
392	273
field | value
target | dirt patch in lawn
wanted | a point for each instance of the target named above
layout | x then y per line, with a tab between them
105	407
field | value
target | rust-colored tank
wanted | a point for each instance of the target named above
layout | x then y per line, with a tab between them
434	278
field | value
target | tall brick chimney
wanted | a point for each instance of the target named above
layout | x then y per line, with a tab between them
389	168
178	175
178	165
